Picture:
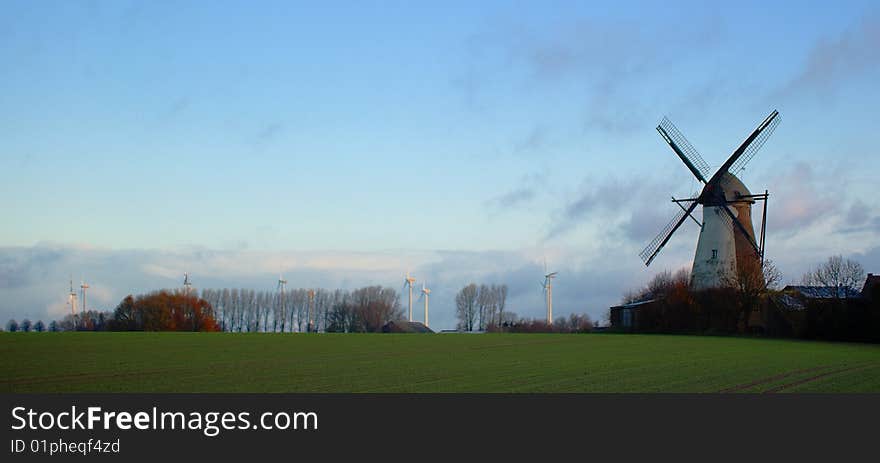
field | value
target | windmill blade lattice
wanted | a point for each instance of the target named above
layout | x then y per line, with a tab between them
660	240
756	145
684	150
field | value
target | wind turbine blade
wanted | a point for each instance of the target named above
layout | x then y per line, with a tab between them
654	247
768	122
683	148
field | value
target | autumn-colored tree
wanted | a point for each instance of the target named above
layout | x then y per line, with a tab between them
164	311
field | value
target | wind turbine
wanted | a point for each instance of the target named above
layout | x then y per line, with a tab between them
281	283
311	302
425	293
187	286
408	282
548	291
83	287
71	299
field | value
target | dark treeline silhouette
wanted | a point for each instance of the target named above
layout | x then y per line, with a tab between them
829	306
574	323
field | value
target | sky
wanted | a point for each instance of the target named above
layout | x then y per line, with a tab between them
346	143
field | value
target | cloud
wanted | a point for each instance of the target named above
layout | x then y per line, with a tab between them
26	268
525	191
268	133
533	141
514	198
604	65
834	61
800	198
630	203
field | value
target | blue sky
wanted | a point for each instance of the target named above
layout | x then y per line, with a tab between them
346	142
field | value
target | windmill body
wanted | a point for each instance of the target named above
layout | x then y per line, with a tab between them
715	258
721	249
727	238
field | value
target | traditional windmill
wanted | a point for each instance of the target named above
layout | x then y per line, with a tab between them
727	237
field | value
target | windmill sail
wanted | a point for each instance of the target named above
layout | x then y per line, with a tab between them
769	125
744	147
662	238
735	223
684	150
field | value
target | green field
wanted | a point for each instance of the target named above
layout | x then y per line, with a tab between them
225	362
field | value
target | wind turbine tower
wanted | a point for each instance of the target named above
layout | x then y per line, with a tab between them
83	287
281	283
311	327
426	292
408	281
71	299
548	290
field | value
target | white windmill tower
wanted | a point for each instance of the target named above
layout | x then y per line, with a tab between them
727	237
548	293
408	282
425	294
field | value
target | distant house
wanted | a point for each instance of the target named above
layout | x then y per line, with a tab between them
795	297
626	316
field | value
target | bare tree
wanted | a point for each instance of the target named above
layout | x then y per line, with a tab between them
751	281
658	287
484	304
501	296
837	272
466	307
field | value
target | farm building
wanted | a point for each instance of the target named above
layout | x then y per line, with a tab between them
626	317
871	288
795	297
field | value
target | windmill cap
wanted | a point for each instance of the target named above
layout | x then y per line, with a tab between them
734	187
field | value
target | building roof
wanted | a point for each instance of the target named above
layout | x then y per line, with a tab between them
401	326
823	292
872	282
633	305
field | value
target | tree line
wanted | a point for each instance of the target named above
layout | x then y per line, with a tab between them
365	309
483	308
752	303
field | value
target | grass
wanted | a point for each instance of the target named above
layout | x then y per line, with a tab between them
226	362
